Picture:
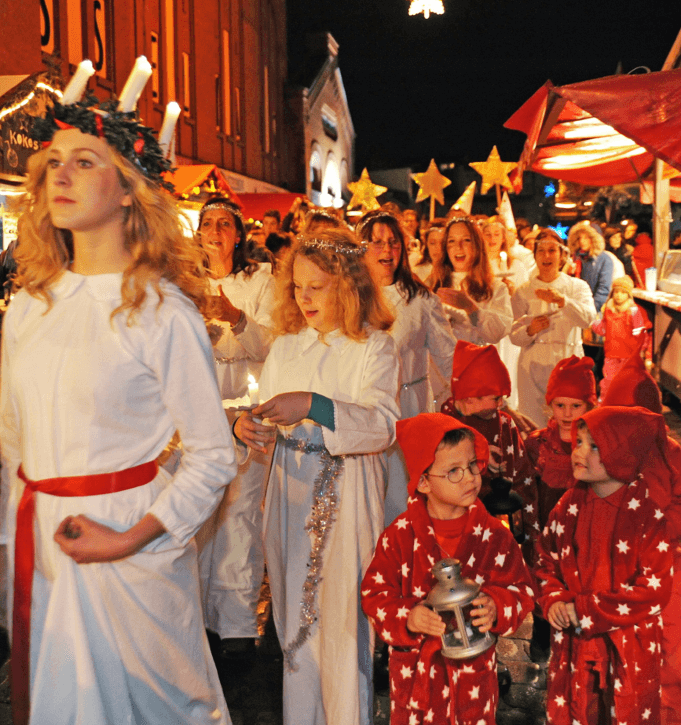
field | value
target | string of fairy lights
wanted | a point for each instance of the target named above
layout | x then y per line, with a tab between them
9	110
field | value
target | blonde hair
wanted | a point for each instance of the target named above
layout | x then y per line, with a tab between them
584	227
153	237
358	299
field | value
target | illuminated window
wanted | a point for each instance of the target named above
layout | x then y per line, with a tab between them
226	86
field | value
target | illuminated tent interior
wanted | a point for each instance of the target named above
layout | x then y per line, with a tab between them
603	132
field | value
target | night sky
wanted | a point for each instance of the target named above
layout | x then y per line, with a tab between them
443	87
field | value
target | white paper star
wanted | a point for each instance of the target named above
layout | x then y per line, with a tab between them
622	546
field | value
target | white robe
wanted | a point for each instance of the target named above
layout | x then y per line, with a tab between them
422	335
490	323
540	353
123	641
332	684
231	557
508	352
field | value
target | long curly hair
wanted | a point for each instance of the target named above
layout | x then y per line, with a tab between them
479	280
405	281
358	299
153	236
585	227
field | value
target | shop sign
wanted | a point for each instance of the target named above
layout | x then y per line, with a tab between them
17	144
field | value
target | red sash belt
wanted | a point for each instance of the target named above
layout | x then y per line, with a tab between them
24	555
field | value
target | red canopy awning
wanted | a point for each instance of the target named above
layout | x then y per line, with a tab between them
602	132
255	205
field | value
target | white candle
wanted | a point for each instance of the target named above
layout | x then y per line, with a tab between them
504	259
253	391
134	86
77	85
168	128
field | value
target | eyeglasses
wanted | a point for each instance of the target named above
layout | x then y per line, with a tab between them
379	244
456	474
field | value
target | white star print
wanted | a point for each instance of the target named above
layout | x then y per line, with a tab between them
623	609
431	561
471	560
634	504
559	529
565	551
573	509
413	705
406	672
486	534
554	555
405	569
618	684
560	701
480	579
380	614
488	706
663	546
384	541
529	508
508	611
558	636
416	544
646	714
421	667
499	559
553	525
432	671
652	648
418	592
413	719
387	636
402	613
527	481
509	449
586	623
445	692
477	530
622	546
654	582
401	523
428	717
658	514
378	578
474	692
519	607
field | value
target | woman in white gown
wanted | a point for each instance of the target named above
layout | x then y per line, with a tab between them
420	331
477	304
105	355
330	386
231	559
550	312
510	270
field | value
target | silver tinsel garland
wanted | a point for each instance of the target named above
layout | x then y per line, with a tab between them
324	508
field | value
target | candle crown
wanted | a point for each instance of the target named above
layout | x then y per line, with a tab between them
121	130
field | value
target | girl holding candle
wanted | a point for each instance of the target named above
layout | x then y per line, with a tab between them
231	559
421	334
105	355
478	305
330	386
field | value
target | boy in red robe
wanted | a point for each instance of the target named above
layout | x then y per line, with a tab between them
604	568
633	385
444	519
480	381
570	392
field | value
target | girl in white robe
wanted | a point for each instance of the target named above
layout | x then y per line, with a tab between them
551	309
104	356
231	558
330	387
421	333
477	305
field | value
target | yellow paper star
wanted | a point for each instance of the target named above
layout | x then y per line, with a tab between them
494	171
431	183
364	193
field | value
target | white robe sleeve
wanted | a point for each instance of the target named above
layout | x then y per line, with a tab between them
495	318
181	359
439	338
522	319
368	426
579	306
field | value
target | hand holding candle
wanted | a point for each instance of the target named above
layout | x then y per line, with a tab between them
78	83
253	391
137	79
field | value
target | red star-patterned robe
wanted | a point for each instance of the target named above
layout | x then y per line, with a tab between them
426	687
627	619
501	432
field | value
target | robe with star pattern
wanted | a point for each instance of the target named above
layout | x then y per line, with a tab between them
627	618
426	687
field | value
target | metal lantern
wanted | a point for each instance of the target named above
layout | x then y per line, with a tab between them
452	599
507	506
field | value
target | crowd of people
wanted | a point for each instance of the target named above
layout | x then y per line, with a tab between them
397	380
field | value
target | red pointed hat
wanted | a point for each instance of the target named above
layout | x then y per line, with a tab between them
572	378
478	371
420	436
633	385
630	440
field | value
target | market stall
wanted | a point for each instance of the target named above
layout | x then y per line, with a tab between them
610	131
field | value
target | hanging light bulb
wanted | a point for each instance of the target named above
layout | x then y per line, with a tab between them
426	7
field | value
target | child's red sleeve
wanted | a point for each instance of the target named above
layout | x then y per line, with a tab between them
384	599
646	592
547	569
